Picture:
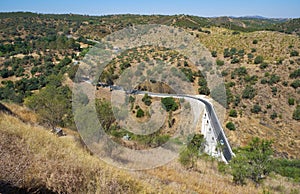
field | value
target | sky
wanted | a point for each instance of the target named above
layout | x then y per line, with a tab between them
208	8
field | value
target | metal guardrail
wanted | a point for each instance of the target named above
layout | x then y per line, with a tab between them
217	127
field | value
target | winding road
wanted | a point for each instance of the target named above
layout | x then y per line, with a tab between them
212	117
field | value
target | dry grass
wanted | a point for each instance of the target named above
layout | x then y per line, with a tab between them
31	157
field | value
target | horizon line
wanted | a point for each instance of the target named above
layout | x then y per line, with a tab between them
150	14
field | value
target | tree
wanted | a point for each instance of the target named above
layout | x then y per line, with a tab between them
190	154
204	90
105	113
230	126
51	104
169	104
253	162
147	99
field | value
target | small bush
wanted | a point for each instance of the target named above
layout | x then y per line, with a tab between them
220	62
296	114
295	74
285	83
233	113
147	99
291	101
214	53
263	81
263	65
294	53
230	126
249	92
273	115
204	90
295	84
274	90
259	59
274	79
235	60
255	41
140	113
256	109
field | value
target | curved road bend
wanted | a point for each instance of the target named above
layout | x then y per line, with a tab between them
215	123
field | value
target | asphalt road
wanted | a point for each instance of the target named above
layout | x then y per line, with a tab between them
217	127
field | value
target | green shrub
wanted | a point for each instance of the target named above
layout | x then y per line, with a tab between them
291	101
274	79
263	81
285	83
169	104
294	53
256	109
259	59
252	162
255	41
252	79
214	54
287	168
295	74
202	81
273	115
204	90
140	113
230	126
241	71
147	99
263	65
190	154
226	53
296	113
220	62
235	60
249	92
237	100
233	113
274	90
250	56
295	84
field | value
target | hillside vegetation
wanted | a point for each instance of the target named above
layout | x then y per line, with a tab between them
35	160
40	55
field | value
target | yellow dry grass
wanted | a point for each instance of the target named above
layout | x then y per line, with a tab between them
33	158
58	164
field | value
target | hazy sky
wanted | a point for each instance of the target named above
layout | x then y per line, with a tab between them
267	8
